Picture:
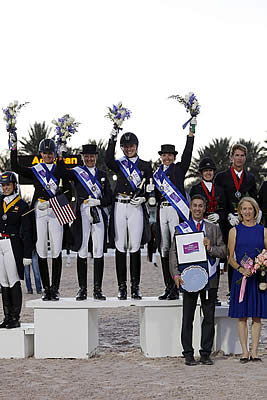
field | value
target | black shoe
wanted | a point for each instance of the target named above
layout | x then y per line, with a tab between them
174	294
46	295
4	323
98	295
14	323
30	292
165	295
190	361
54	294
82	294
206	360
255	359
122	294
135	293
244	360
218	302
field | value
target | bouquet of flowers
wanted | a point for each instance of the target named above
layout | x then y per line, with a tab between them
10	116
261	264
248	263
192	106
117	114
65	128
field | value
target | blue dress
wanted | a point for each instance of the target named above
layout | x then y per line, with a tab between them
249	241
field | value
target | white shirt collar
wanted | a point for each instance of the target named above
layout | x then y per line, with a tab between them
238	173
208	185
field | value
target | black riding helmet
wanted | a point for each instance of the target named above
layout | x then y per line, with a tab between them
129	138
47	146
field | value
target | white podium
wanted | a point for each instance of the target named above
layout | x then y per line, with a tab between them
160	327
17	342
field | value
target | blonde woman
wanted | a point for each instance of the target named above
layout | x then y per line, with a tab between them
247	238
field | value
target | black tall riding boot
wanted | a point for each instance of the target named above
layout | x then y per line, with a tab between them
135	271
44	274
6	299
82	278
121	274
98	278
56	275
16	304
166	277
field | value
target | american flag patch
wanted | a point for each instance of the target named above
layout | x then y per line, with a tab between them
62	209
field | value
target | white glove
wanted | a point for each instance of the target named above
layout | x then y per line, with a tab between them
114	133
62	149
233	219
258	220
27	261
137	201
43	205
93	202
150	187
213	218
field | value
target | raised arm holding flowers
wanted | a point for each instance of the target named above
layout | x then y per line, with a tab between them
10	116
192	106
65	128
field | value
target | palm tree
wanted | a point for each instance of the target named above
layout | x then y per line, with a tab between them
256	158
218	150
37	132
5	162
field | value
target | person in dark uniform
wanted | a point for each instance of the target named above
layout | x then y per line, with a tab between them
237	183
93	194
214	195
168	213
15	248
129	224
263	202
45	178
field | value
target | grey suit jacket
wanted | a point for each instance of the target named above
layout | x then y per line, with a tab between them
218	250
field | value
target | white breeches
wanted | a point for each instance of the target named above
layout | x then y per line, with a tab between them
96	230
128	223
169	219
8	268
47	225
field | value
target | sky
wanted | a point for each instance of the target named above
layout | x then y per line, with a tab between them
81	56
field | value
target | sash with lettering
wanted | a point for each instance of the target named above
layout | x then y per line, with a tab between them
171	193
189	227
130	171
46	178
88	181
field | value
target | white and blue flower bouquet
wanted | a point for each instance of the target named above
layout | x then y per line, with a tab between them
10	116
192	106
117	114
65	127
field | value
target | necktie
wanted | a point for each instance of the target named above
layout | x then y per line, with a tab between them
198	226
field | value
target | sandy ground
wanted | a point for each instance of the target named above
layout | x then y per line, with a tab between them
119	370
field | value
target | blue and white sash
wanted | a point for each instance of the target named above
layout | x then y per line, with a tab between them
130	171
171	193
88	181
46	178
189	227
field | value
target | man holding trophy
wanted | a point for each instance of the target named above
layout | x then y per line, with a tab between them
196	245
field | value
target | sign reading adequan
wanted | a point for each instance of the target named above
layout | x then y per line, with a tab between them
29	161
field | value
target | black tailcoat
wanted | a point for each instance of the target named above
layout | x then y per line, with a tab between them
19	228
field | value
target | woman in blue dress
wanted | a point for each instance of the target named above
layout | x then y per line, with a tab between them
247	238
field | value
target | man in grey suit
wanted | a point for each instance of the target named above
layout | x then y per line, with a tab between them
215	248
